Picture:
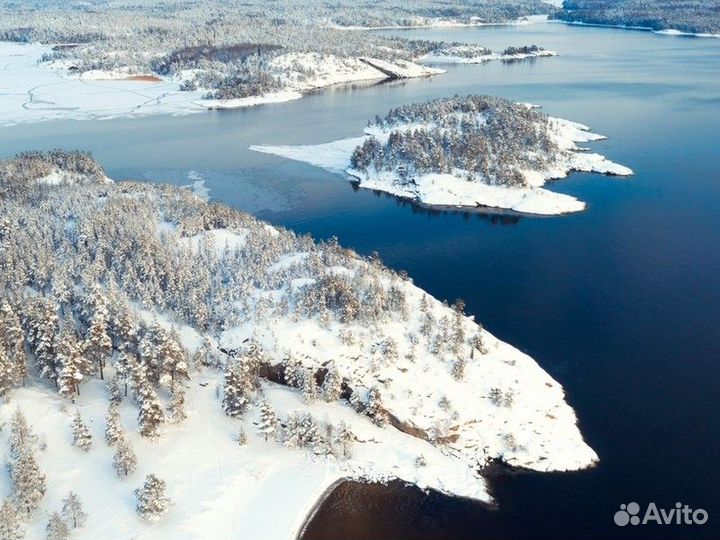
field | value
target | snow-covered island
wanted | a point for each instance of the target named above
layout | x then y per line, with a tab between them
187	370
462	53
474	151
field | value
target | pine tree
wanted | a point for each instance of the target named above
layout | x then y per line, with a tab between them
13	338
97	341
71	364
309	389
113	426
81	433
7	372
176	407
152	499
294	371
56	528
174	366
122	371
242	437
301	430
46	331
236	389
332	386
114	390
268	424
22	438
10	522
343	439
374	407
458	332
124	459
28	483
151	415
73	512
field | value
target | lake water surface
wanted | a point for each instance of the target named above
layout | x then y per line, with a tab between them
619	303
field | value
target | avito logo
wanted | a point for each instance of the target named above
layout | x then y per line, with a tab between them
681	514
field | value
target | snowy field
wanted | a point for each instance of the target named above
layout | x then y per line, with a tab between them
453	189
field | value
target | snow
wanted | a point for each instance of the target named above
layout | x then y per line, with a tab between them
433	58
61	177
220	239
665	32
261	490
32	92
452	189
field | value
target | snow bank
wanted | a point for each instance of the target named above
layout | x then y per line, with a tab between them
453	189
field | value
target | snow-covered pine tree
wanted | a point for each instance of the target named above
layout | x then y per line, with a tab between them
81	433
458	368
237	389
309	388
343	439
73	512
268	423
28	482
122	371
176	407
294	371
56	528
331	388
124	459
357	402
477	343
114	389
201	357
458	330
138	376
174	360
152	499
242	437
22	438
123	325
13	338
149	350
97	340
113	426
71	362
151	414
374	407
46	331
301	430
7	372
11	527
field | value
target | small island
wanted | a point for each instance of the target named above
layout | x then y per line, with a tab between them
462	53
473	151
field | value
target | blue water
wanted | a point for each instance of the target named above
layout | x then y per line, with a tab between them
619	303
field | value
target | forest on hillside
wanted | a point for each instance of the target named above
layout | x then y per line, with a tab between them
693	16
